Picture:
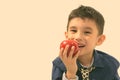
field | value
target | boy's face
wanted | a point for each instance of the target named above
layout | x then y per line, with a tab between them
85	32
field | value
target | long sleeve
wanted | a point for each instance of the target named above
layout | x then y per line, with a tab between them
116	77
58	69
56	73
64	77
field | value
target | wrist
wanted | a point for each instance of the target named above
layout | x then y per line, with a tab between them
70	76
65	78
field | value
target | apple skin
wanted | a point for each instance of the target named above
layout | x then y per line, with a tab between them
70	43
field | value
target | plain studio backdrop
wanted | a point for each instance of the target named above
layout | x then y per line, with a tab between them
31	31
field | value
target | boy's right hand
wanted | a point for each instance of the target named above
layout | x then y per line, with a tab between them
69	61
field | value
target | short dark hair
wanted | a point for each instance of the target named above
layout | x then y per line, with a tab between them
90	13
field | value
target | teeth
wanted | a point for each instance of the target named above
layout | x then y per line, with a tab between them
82	46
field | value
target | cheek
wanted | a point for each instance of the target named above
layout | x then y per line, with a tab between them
91	40
70	36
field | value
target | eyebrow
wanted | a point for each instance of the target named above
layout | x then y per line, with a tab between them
88	28
85	27
72	27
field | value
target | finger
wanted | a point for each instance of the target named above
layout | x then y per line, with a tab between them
65	51
76	55
61	53
71	52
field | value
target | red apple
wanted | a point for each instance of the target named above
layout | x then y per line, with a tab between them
70	43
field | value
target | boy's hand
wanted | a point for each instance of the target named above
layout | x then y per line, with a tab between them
69	61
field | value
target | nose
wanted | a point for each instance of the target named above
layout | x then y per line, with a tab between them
78	36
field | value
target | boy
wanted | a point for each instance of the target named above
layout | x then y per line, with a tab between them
85	26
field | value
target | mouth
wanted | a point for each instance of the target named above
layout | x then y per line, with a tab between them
81	46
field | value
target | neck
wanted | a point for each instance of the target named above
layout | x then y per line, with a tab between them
86	60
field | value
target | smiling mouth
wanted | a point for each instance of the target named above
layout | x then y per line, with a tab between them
81	46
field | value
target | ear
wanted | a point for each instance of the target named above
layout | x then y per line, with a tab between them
66	35
101	39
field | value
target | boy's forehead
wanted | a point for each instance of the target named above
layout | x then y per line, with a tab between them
84	27
82	20
86	22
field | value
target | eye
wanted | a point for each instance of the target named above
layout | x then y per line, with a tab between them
87	32
73	30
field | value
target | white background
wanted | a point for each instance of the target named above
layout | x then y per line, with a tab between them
31	31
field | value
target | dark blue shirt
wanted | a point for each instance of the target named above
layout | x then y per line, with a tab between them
105	65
